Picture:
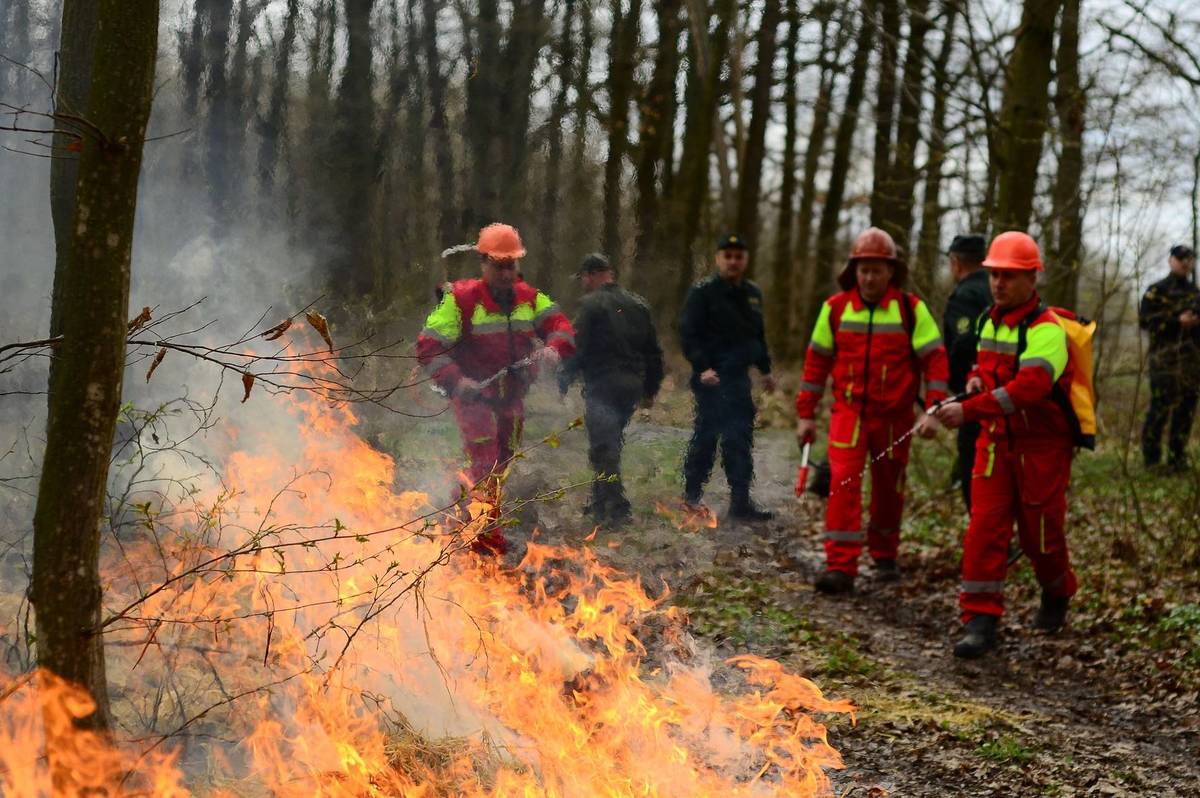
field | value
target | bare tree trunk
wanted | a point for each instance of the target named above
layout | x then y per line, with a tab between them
76	52
1024	114
219	120
191	61
527	35
86	394
621	62
656	136
1062	270
779	300
929	247
443	154
274	126
559	109
481	202
843	142
903	182
750	173
885	109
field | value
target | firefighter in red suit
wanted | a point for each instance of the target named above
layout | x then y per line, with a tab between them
877	342
480	327
1023	456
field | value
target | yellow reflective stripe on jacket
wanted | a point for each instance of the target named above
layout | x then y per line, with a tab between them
1046	347
445	322
822	336
484	322
543	306
925	337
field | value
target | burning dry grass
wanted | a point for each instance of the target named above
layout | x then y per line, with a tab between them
335	637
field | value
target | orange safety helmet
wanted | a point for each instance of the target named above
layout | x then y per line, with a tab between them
500	241
873	244
1014	250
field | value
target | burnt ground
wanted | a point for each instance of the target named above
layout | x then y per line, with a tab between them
1108	707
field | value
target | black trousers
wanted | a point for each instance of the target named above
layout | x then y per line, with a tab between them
724	417
608	406
968	434
1173	401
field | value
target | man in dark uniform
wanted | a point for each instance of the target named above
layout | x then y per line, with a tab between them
618	356
1170	312
970	298
723	336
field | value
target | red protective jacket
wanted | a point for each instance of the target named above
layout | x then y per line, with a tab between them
876	356
469	335
1016	404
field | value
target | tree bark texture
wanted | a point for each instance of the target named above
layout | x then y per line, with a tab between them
924	268
902	184
559	110
779	300
273	129
439	127
219	119
1062	267
86	394
821	273
751	167
885	108
622	59
1024	115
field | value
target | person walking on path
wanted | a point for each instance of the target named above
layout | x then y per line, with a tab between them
621	363
1170	312
723	335
495	324
970	298
878	342
1025	449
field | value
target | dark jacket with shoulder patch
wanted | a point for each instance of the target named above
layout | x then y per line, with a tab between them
722	327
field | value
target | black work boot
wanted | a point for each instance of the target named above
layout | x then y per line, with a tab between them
887	571
744	509
1052	614
835	583
979	639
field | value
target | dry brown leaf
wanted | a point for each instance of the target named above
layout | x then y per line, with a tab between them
139	321
247	383
154	364
319	324
278	330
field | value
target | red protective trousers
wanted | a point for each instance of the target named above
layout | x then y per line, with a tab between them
852	440
491	432
1030	488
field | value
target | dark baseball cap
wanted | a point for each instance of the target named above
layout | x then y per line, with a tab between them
972	245
732	241
1182	251
593	264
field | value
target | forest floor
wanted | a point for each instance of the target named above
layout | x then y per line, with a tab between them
1110	706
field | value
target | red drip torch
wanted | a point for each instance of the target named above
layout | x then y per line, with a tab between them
802	472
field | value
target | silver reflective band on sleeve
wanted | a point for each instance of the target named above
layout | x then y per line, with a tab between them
983	587
844	535
812	387
1005	401
820	350
438	363
937	385
1038	362
929	347
566	336
546	311
429	332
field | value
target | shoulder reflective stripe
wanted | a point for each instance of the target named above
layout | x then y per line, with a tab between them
561	334
438	363
887	327
882	315
1047	341
925	349
819	349
543	304
852	325
822	336
937	385
445	322
541	312
812	387
992	345
520	326
982	587
926	336
845	535
430	332
1005	401
1038	362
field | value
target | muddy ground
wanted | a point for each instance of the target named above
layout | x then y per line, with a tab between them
1079	713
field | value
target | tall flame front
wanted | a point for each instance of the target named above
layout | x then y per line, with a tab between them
305	629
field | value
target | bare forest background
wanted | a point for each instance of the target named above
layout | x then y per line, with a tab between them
370	134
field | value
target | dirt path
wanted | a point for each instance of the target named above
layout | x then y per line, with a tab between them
1044	716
